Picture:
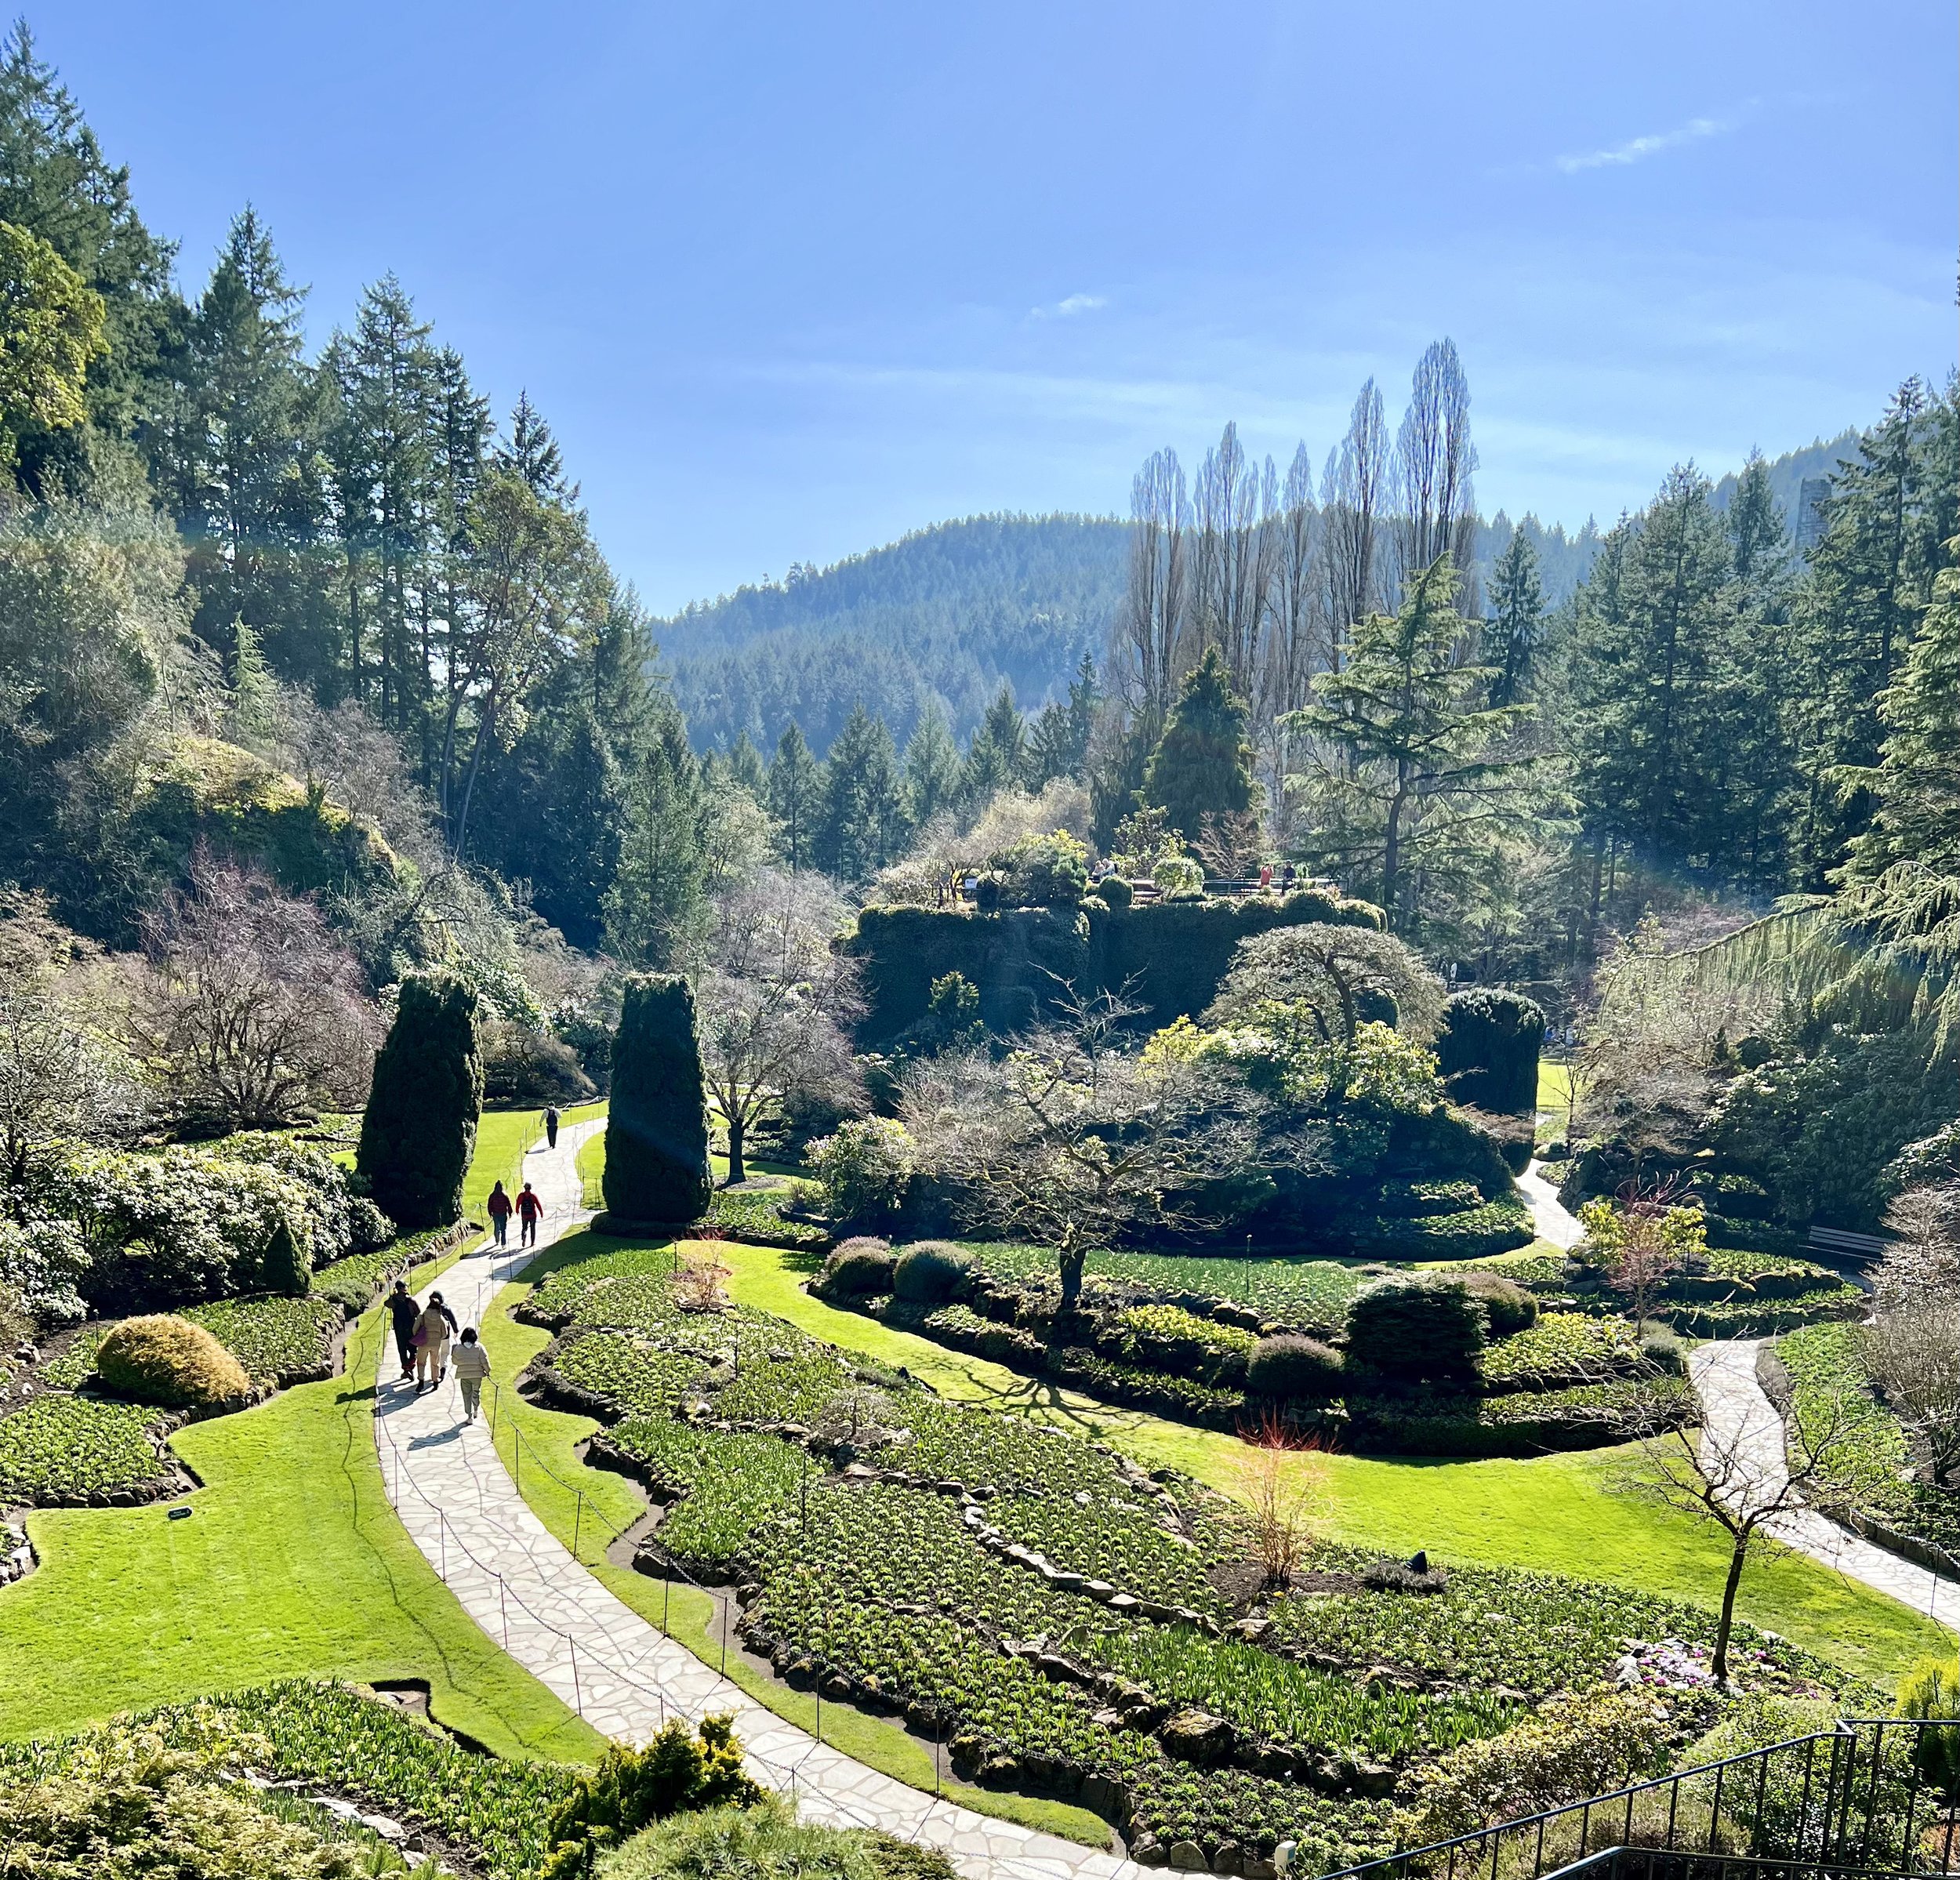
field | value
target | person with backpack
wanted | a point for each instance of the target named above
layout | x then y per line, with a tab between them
551	1127
498	1207
402	1314
530	1211
472	1364
432	1343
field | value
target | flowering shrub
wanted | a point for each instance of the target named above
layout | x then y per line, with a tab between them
861	1170
1178	878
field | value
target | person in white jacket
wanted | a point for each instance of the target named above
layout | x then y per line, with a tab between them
471	1364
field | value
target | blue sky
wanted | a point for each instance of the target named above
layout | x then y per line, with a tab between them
788	280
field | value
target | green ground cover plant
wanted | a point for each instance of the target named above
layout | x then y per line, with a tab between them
63	1451
278	1340
1280	1701
1561	1347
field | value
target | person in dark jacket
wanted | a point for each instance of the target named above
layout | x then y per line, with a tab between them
551	1128
402	1313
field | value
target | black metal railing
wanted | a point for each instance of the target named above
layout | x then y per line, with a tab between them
1868	1797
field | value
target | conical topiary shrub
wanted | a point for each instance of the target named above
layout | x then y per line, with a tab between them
420	1128
657	1124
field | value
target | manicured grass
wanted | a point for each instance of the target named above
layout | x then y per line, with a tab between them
1557	1514
592	1170
292	1564
552	1478
1555	1097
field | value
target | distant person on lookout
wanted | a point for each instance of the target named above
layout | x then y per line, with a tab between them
551	1128
499	1206
530	1209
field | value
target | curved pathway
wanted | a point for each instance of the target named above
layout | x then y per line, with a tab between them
457	1500
1739	1417
1550	1219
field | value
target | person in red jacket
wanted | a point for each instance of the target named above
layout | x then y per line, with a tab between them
499	1206
530	1211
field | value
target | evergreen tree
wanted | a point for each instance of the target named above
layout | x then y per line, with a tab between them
1916	784
1203	765
996	759
863	824
745	767
931	766
1653	648
56	183
655	897
656	1166
1516	627
1415	777
419	1128
795	798
236	458
532	452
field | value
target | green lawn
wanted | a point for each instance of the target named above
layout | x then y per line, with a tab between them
592	1170
538	1446
291	1564
1555	1094
1557	1513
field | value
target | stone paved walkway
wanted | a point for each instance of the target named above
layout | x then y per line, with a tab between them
1549	1218
1738	1412
457	1500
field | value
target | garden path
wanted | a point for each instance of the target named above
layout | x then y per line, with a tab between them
519	1583
1549	1218
1738	1414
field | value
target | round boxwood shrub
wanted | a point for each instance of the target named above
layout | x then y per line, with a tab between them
929	1272
1487	1049
167	1360
1290	1365
1115	890
657	1125
419	1129
858	1268
1508	1307
1418	1329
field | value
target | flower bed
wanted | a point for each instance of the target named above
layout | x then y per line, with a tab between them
62	1451
1521	1423
1050	1612
756	1215
1562	1348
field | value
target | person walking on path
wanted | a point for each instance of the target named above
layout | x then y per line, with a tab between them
551	1127
530	1211
402	1314
472	1364
498	1209
432	1343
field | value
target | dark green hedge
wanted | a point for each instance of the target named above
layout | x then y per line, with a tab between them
1170	956
1487	1049
420	1127
657	1128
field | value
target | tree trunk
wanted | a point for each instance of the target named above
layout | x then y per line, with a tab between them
1726	1623
1071	1263
736	1170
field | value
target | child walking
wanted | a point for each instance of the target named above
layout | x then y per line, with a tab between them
471	1364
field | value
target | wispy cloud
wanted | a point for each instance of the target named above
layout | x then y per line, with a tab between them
1069	308
1636	149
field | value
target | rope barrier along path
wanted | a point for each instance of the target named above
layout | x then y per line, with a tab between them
459	1503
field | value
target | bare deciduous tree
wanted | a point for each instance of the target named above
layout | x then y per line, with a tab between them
773	996
249	1014
57	1076
1074	1142
1748	1481
1912	1351
1924	1256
